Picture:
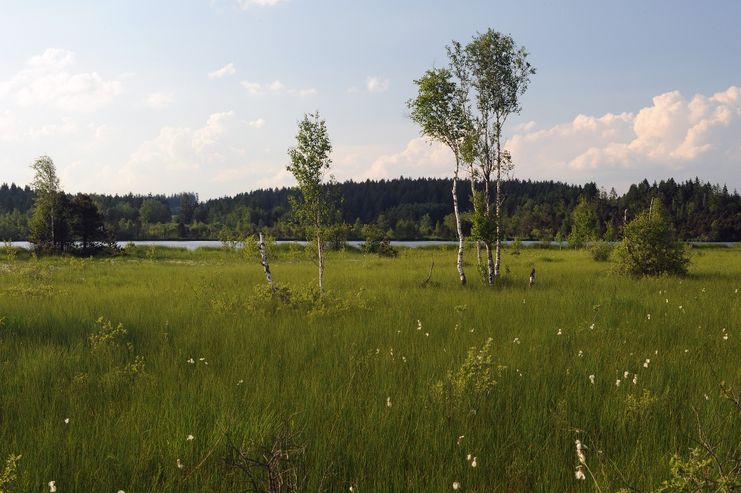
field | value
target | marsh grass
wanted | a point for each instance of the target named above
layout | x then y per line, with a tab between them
132	404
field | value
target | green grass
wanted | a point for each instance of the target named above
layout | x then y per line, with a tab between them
329	374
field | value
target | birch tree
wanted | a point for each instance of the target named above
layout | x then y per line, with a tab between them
439	111
495	73
309	162
49	229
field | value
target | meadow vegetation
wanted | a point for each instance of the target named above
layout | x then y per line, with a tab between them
171	370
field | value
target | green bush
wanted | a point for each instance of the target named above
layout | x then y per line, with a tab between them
650	247
601	251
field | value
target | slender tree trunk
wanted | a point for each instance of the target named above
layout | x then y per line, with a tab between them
489	265
265	264
478	243
498	210
489	261
458	227
498	199
320	253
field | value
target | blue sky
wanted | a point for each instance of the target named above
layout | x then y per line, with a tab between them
204	95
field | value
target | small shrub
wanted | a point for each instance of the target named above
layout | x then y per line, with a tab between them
638	406
377	242
516	246
474	379
107	335
649	246
601	251
8	473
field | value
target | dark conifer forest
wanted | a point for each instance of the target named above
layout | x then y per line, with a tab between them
404	209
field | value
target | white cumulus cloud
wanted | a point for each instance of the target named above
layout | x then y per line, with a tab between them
48	80
673	136
275	87
259	123
377	84
159	100
224	71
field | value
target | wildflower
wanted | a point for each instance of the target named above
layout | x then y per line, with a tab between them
635	379
580	452
190	438
580	473
388	401
192	361
180	464
52	486
456	485
591	379
473	462
66	421
617	383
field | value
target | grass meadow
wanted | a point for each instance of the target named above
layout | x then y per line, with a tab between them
373	385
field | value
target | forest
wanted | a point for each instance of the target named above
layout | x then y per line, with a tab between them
404	209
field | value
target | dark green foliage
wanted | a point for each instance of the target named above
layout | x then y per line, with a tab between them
154	211
377	242
601	251
583	224
650	246
699	211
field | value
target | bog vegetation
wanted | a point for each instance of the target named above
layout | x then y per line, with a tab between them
168	370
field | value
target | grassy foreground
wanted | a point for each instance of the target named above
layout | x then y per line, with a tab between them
358	381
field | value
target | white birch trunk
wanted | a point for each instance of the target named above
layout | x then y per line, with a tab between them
478	243
264	261
320	253
459	228
498	261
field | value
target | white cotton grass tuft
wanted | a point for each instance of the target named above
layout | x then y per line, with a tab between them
66	421
180	464
559	332
456	485
192	361
635	379
646	363
52	486
580	473
388	401
591	379
190	438
580	448
617	383
474	462
419	325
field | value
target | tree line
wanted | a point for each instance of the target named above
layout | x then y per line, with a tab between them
404	209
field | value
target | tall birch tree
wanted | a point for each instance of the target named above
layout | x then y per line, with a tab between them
439	111
495	73
310	160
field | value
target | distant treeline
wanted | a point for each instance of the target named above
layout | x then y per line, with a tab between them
405	208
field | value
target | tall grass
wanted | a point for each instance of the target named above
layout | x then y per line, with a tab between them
330	376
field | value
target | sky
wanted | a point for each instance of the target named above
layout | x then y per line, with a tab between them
204	95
